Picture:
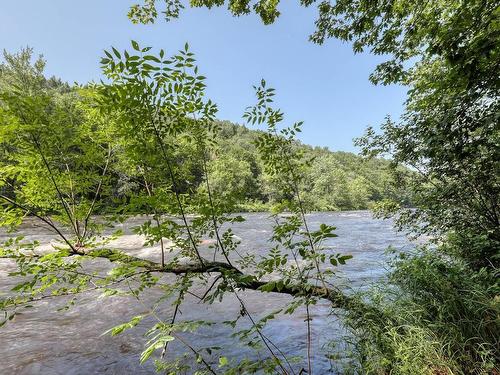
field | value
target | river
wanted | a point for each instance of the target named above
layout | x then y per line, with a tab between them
44	341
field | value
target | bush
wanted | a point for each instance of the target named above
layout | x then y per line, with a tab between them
440	317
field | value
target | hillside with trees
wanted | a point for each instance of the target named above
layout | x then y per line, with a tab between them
332	181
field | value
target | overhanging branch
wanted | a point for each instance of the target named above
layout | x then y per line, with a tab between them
243	281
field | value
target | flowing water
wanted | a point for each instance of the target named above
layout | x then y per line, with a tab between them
44	341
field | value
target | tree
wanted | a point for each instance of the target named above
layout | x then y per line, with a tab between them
48	148
447	53
230	178
20	72
329	185
152	107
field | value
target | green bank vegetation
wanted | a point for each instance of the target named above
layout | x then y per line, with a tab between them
335	181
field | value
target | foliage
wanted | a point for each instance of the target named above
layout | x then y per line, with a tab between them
444	318
19	71
449	134
439	312
465	35
447	52
150	127
49	146
336	180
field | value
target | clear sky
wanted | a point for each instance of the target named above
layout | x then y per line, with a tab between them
325	86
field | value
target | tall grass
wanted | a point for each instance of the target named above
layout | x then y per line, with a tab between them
437	316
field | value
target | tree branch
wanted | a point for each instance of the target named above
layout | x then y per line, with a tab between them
43	219
241	280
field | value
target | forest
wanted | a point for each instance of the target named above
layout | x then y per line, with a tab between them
79	161
335	181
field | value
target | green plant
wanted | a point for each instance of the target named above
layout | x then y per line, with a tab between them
140	123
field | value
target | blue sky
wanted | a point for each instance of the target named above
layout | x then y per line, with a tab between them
325	86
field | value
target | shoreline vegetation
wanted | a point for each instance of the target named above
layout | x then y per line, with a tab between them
332	180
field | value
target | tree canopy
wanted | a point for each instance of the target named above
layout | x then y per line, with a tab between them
146	141
465	35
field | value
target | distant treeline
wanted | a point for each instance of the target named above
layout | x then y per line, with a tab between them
334	180
331	180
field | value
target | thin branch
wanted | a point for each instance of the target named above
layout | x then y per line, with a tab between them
212	214
308	318
174	316
155	212
262	337
175	187
202	298
59	193
45	220
98	190
153	313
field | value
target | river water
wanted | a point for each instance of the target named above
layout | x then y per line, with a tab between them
44	341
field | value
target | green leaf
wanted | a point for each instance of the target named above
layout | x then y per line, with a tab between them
152	58
123	327
343	258
158	344
223	361
116	52
268	287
